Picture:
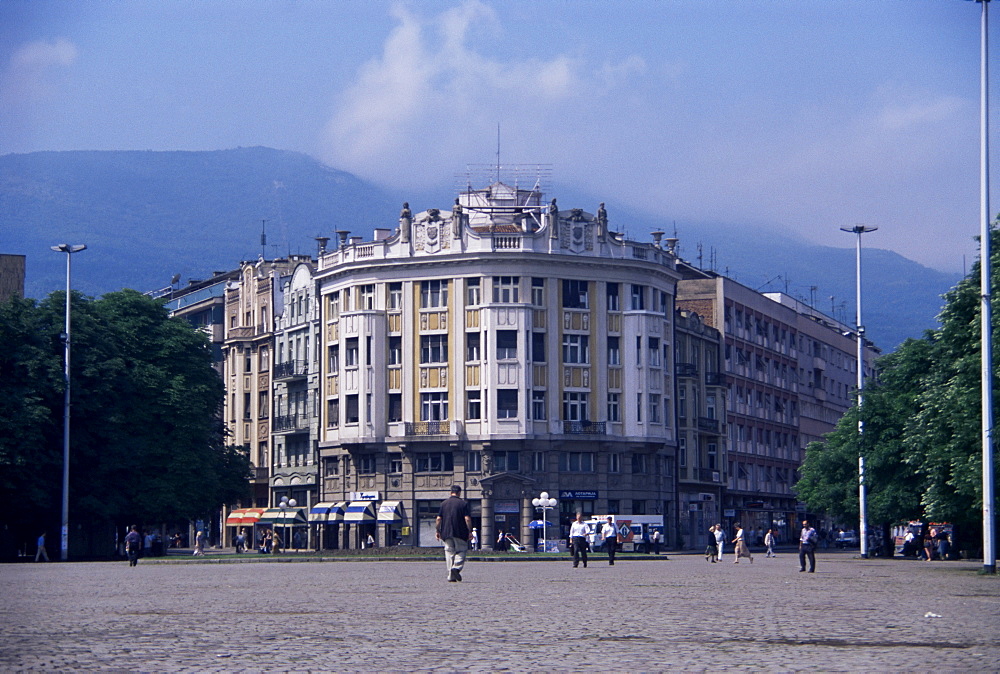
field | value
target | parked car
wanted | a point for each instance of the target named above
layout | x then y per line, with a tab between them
847	539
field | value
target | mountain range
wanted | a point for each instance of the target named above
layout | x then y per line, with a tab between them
148	216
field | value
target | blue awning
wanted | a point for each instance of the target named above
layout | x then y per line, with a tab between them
360	511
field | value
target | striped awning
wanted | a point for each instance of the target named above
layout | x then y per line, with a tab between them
360	511
390	511
244	517
286	516
319	512
337	511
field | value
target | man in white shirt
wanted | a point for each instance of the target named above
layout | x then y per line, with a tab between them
578	531
610	535
720	539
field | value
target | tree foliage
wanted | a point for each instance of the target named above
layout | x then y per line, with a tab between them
146	441
921	442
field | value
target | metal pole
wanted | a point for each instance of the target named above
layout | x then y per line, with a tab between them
862	489
989	549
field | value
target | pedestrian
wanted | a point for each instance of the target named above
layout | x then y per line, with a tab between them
943	544
720	540
147	545
769	542
133	542
712	548
370	541
454	527
740	547
501	541
41	553
199	543
929	544
656	541
474	540
241	541
578	531
610	536
807	547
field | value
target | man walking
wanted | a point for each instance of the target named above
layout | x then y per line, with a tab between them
133	542
41	553
454	526
720	541
610	536
807	547
578	532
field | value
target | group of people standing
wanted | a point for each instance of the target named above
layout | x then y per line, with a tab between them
808	541
579	534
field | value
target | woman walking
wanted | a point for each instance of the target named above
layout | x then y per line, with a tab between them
712	549
740	546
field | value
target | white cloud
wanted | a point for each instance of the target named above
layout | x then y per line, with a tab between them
434	92
25	77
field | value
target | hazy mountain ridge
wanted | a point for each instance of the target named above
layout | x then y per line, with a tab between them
146	216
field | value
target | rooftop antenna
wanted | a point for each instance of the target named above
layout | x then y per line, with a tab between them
498	151
263	239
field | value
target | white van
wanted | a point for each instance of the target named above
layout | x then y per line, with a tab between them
641	528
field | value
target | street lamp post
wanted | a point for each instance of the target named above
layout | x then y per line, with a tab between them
284	505
544	503
862	497
64	534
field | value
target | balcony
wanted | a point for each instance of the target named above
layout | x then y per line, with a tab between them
290	423
584	427
708	425
686	369
428	428
260	474
293	369
715	379
708	475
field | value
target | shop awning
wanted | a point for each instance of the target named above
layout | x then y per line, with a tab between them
360	511
319	512
390	511
243	517
284	517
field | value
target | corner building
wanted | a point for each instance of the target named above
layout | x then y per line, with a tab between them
506	346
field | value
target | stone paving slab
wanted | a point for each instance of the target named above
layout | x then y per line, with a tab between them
681	615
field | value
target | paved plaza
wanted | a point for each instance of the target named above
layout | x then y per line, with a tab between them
683	614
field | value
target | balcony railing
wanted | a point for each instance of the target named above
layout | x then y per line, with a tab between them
708	425
428	428
715	379
686	369
708	475
292	369
290	422
584	427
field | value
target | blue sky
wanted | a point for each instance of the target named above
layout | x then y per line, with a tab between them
782	115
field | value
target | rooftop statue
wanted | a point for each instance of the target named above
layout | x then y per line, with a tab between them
405	220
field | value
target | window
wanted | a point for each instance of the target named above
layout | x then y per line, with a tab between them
638	507
332	413
433	462
614	407
576	462
654	352
505	289
638	297
248	363
351	354
333	466
366	294
614	462
472	347
710	405
366	464
538	292
638	407
434	406
247	411
638	465
638	350
395	351
654	408
433	294
507	404
538	347
333	306
713	456
682	452
395	463
368	350
395	296
538	405
614	506
473	298
506	462
333	358
576	349
614	303
433	348
574	294
538	462
474	461
614	351
395	411
664	303
506	344
474	408
352	410
682	402
575	406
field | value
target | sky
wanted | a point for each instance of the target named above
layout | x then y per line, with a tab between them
791	116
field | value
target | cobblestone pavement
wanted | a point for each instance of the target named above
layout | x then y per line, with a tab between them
678	614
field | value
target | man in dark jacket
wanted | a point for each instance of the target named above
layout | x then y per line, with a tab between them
133	541
454	526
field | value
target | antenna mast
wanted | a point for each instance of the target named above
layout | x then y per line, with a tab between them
263	240
498	151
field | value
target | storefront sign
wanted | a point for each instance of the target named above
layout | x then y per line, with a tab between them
364	495
506	507
729	512
584	495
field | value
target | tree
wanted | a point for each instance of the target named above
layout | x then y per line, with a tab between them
147	444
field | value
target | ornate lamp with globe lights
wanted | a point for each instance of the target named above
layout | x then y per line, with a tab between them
544	503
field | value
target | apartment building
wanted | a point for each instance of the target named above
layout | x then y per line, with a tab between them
505	345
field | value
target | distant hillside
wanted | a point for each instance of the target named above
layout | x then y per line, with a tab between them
146	216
